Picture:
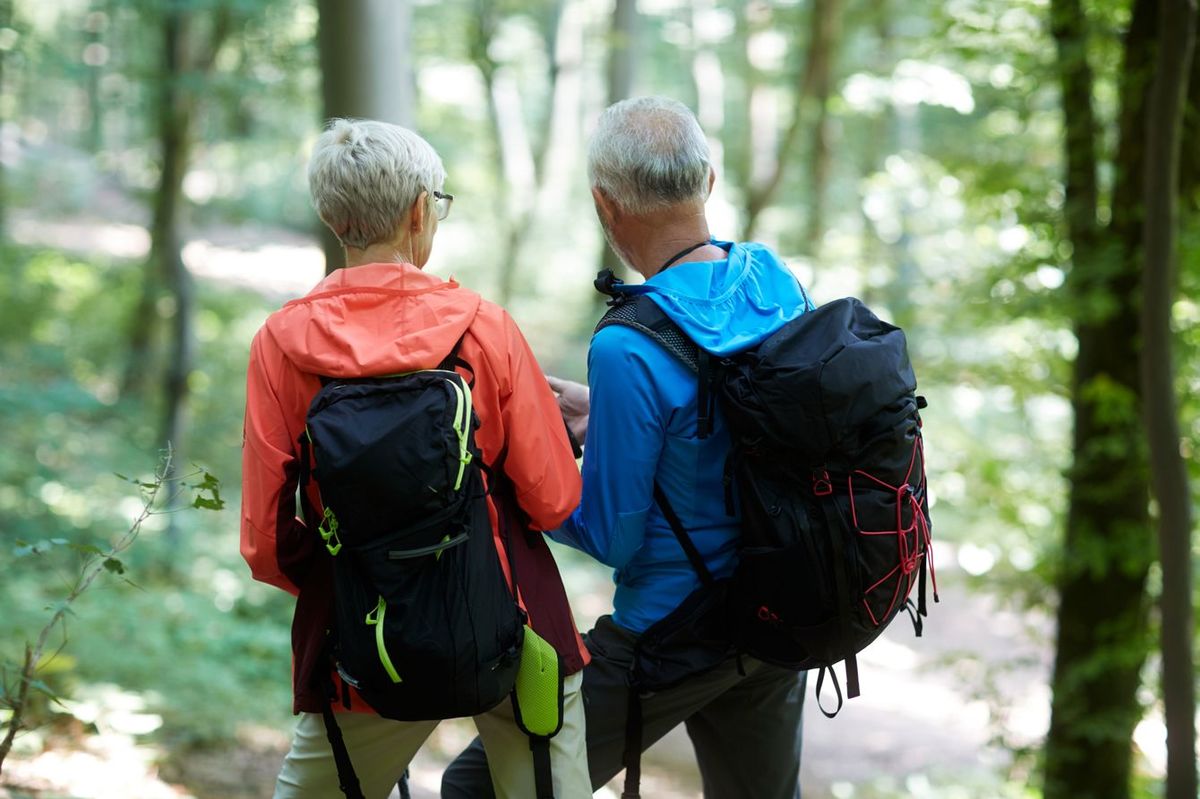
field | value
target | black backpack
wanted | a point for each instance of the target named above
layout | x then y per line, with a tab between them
425	625
829	466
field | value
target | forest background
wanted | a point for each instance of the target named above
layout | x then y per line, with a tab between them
1015	182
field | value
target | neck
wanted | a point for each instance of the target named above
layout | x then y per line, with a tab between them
653	239
399	251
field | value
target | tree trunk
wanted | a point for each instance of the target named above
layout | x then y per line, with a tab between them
813	83
1189	167
550	29
1176	39
823	54
1101	638
174	125
367	71
522	172
185	57
6	21
623	53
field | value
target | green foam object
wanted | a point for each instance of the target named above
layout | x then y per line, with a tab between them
538	695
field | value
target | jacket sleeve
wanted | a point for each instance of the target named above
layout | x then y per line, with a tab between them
269	470
626	433
538	459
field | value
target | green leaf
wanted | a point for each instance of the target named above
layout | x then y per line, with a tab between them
208	493
114	566
86	549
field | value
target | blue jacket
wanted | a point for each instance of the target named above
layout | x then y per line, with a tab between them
642	428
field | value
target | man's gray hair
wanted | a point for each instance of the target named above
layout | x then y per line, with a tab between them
365	175
649	153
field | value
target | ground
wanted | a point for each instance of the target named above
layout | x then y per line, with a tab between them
930	713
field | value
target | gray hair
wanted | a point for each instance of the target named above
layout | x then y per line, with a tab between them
649	153
365	175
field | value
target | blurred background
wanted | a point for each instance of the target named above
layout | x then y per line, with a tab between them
986	173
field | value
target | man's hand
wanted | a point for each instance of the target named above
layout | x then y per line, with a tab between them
573	401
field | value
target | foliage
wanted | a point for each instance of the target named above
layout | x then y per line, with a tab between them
16	683
224	640
944	211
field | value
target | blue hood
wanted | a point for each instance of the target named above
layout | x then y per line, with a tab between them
729	306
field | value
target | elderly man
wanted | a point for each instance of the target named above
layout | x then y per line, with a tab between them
379	188
646	452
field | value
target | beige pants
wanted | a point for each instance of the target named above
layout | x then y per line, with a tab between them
381	750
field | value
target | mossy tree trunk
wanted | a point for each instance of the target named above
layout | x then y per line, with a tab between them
1164	128
1102	639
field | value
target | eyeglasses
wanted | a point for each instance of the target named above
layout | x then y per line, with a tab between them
441	204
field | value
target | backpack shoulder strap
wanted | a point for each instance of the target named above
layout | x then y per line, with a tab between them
681	535
642	313
452	360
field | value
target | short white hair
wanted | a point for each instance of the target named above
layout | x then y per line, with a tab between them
649	153
364	176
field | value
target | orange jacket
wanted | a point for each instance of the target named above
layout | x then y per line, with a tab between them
384	319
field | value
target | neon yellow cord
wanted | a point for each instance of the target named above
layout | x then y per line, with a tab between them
375	619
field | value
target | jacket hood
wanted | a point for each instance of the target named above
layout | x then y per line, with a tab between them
375	319
729	306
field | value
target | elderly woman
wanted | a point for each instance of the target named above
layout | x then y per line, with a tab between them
379	189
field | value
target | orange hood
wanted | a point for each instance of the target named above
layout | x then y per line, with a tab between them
374	319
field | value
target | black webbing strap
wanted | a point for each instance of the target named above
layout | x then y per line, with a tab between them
543	780
921	608
728	474
347	779
837	688
539	745
452	360
842	588
681	535
307	511
632	757
402	786
305	459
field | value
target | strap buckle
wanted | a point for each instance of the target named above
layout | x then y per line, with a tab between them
328	529
606	283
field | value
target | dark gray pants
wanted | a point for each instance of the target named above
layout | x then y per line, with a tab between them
746	729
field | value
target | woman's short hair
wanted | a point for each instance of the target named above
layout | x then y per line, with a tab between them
365	175
649	153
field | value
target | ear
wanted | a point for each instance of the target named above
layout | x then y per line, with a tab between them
606	209
712	178
419	214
